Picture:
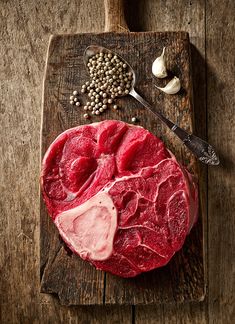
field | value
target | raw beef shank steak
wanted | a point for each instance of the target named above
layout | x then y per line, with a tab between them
118	197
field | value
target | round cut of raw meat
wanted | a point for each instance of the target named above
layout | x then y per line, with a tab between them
118	197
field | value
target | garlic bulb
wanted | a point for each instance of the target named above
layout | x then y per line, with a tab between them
172	87
159	66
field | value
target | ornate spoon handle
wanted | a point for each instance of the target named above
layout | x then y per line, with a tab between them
201	149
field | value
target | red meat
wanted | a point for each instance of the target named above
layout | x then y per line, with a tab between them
118	197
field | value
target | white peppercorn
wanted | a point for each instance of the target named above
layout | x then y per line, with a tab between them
134	119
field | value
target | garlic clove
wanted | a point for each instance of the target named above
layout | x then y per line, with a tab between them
172	87
159	66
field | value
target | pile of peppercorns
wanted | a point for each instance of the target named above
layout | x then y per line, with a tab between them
110	78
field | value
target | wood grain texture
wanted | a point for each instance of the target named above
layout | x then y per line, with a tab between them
183	278
192	19
114	16
187	313
25	30
24	34
220	47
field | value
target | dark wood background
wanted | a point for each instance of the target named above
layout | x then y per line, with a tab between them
24	33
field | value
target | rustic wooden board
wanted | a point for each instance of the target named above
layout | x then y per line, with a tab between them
63	273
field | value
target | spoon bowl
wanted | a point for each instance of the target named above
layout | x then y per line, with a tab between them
95	49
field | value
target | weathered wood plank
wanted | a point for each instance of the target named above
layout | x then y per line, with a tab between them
53	312
89	314
220	49
66	72
24	33
192	19
186	313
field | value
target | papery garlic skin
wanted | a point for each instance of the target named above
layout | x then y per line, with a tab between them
159	66
172	87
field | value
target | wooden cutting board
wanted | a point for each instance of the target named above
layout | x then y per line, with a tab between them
62	272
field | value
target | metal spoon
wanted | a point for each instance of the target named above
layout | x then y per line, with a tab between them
201	149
